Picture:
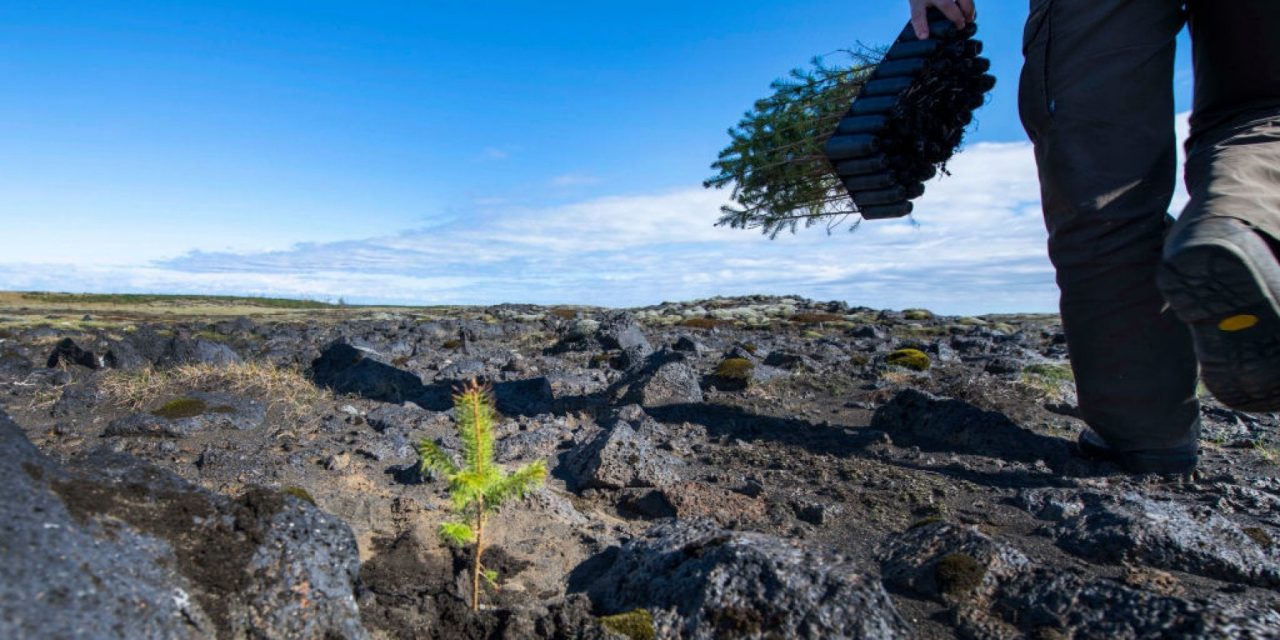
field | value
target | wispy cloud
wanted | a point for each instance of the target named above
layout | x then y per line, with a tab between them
494	153
574	180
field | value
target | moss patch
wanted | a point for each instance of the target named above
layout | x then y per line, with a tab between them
735	369
917	314
1260	536
451	344
958	573
299	493
913	359
636	625
182	408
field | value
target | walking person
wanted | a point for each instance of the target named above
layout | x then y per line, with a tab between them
1144	299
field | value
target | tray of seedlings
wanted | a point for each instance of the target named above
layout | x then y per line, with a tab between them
855	139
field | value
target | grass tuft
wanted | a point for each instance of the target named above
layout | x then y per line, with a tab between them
283	387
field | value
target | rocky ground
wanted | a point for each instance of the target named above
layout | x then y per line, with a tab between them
749	467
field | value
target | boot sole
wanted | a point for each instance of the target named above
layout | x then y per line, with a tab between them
1220	290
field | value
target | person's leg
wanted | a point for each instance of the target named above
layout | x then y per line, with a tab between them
1096	99
1220	273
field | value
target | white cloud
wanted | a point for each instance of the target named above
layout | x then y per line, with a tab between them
976	244
574	180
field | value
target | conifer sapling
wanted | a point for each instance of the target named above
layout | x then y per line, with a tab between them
479	486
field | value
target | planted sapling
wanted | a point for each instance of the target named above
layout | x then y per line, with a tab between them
479	486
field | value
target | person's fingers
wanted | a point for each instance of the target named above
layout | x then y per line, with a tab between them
919	21
968	9
951	11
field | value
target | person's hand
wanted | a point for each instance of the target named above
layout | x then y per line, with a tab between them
961	12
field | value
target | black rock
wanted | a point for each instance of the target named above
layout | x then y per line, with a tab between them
664	380
124	355
1134	528
688	345
701	581
1003	366
68	353
192	413
523	397
346	369
996	591
620	457
116	548
185	350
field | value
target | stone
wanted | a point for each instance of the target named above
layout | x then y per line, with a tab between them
701	581
68	353
619	457
666	379
347	369
1166	535
192	413
113	547
184	350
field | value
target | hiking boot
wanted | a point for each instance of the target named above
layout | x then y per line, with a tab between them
1180	460
1222	278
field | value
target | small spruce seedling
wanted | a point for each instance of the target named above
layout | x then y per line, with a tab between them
479	486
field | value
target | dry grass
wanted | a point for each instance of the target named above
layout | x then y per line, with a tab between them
286	388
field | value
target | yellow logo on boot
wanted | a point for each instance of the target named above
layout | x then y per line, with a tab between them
1238	323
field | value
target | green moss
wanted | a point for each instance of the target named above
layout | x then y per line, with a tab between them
636	625
860	359
451	344
1260	536
567	314
299	493
970	321
181	408
750	347
958	573
914	359
400	361
222	408
736	369
917	314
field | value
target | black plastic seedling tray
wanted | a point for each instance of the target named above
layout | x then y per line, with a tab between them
910	117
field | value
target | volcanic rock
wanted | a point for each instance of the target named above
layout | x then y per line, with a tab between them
701	581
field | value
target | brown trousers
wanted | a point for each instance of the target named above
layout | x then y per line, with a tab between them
1096	99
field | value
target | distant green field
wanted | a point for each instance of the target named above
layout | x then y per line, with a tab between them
147	298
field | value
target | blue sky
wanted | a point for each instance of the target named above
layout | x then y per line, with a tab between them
415	152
